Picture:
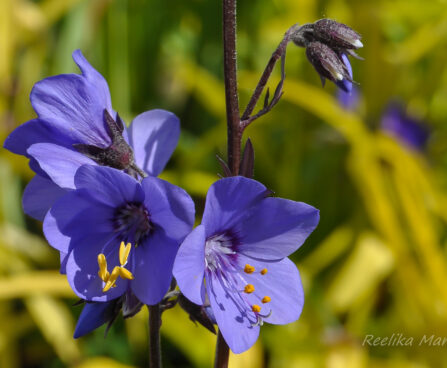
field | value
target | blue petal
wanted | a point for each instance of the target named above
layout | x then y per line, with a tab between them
74	104
227	201
93	315
170	207
82	267
40	194
153	135
344	84
236	329
58	162
74	216
109	186
189	266
282	283
276	228
153	261
34	131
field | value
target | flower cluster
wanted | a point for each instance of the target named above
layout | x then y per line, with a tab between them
328	44
122	233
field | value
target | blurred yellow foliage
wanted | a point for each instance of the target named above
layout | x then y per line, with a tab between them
380	263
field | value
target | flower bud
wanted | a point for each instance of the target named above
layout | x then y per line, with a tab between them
303	35
336	35
327	63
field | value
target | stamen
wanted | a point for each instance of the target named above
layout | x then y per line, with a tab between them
111	282
124	252
249	269
263	271
125	274
266	299
103	273
118	271
255	308
249	288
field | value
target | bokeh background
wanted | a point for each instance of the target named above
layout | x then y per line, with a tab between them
376	264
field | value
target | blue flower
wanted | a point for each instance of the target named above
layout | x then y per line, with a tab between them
241	250
410	132
77	125
345	84
116	234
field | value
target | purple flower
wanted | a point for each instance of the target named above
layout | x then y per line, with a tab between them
410	132
77	125
116	234
94	315
345	85
241	250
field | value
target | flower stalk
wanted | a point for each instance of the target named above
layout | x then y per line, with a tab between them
234	133
154	336
222	352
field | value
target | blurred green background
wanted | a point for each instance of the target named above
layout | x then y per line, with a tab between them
376	265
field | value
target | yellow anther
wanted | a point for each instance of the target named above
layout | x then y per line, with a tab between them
126	274
249	288
112	279
249	269
102	263
124	252
255	308
118	271
266	299
263	271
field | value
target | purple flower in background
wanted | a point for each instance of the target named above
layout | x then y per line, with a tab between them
407	130
117	235
77	125
241	250
349	101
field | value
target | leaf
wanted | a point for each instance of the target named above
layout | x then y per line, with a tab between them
56	323
246	167
226	170
35	283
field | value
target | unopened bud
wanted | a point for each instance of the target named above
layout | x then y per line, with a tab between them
326	62
303	35
336	35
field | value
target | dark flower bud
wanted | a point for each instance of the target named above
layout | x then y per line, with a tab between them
303	35
327	63
336	35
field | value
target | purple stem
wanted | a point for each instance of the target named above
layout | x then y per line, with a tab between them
154	336
231	94
222	352
277	54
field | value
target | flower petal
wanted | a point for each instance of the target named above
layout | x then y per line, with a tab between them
170	207
75	101
237	330
189	266
227	201
153	135
93	315
282	283
344	84
276	228
58	162
39	196
73	212
34	131
109	186
153	261
82	268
